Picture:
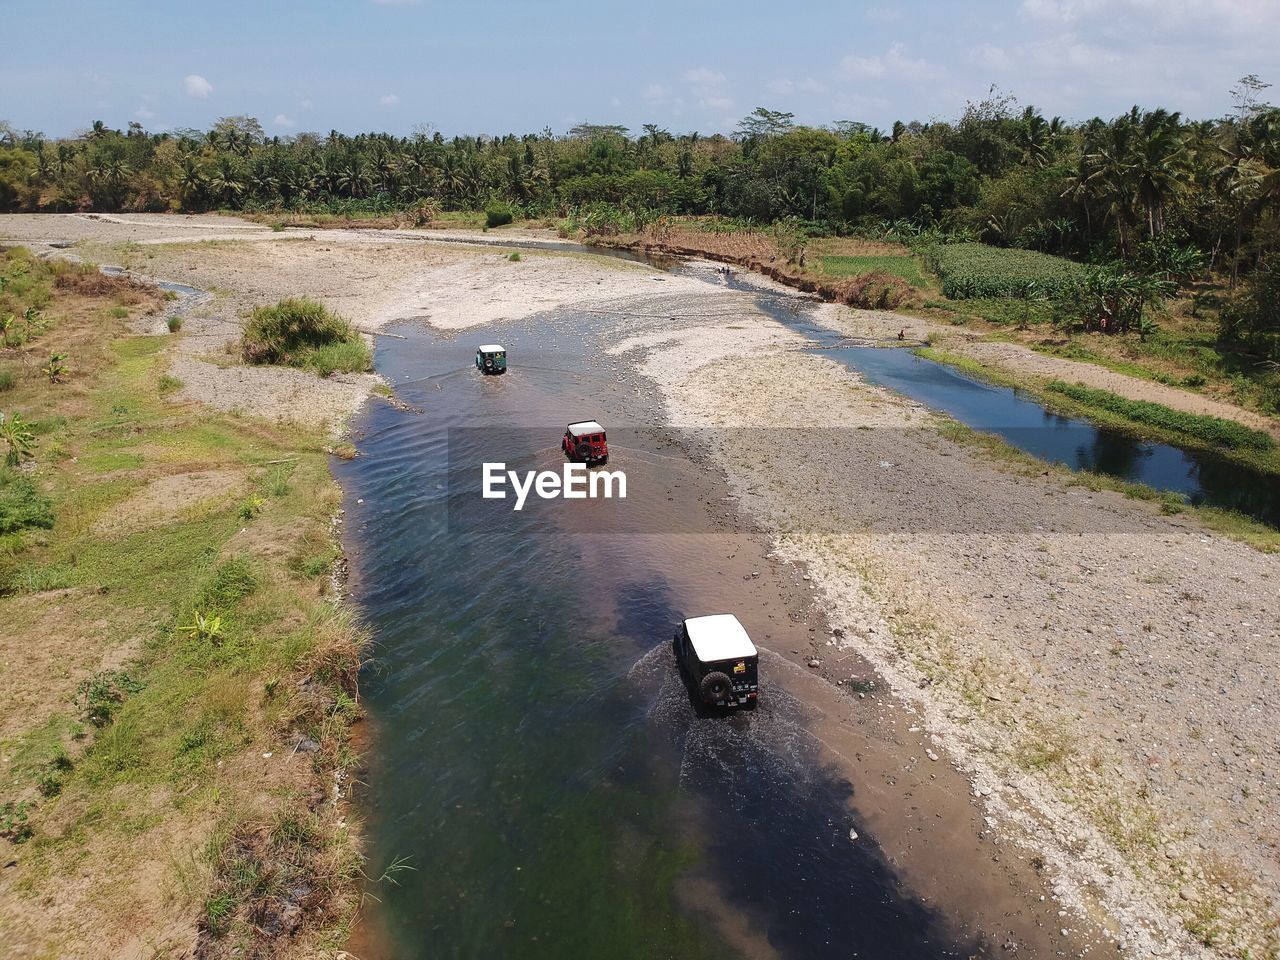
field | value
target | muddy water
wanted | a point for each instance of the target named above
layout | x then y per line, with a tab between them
538	765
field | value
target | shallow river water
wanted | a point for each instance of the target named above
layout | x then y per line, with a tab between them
536	763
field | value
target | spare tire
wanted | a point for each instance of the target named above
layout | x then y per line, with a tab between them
488	362
716	686
583	450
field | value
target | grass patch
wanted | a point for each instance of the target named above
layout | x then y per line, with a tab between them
975	270
22	505
906	267
301	332
1140	419
102	743
1215	431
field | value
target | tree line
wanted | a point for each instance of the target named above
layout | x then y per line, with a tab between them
1148	182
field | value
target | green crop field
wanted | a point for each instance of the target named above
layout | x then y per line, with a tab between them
972	270
906	267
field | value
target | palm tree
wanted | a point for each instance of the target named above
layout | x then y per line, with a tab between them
1159	163
226	181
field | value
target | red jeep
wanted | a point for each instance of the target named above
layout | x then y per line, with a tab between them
585	442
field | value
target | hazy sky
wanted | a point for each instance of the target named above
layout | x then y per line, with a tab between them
490	66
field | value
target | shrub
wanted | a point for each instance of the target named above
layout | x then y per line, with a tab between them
174	324
100	696
295	329
167	385
874	291
7	379
340	358
21	504
498	214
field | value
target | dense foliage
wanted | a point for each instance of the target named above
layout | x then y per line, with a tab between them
1151	189
969	270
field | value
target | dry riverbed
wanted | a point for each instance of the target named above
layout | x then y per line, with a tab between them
1101	673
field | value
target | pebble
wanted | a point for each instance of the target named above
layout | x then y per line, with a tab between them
815	663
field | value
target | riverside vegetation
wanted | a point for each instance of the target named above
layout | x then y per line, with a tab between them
1097	226
180	687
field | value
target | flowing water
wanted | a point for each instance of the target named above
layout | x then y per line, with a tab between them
1199	476
538	765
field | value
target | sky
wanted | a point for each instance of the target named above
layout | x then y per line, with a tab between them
493	66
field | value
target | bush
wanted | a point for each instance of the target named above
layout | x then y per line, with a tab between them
296	330
498	214
340	357
874	291
21	504
1253	319
7	379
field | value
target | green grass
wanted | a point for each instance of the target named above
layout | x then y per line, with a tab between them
975	270
346	357
197	700
1226	434
22	505
906	267
302	332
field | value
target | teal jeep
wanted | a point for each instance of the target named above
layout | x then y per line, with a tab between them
491	358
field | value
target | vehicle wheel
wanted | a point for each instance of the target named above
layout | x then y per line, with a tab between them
715	686
584	451
488	364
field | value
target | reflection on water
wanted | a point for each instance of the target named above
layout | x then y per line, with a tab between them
1024	423
1202	478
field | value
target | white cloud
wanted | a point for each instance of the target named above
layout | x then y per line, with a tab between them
197	86
656	93
784	87
390	100
892	64
304	104
142	113
282	121
993	57
710	89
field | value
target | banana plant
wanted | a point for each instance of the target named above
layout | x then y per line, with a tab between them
56	367
18	438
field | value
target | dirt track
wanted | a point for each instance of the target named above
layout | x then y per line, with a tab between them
1104	673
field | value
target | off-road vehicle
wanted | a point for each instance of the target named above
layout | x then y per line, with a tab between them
585	442
491	358
720	659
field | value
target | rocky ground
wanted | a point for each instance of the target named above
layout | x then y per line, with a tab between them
1102	672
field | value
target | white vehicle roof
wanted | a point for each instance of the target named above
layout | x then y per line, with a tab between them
492	348
585	426
719	637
